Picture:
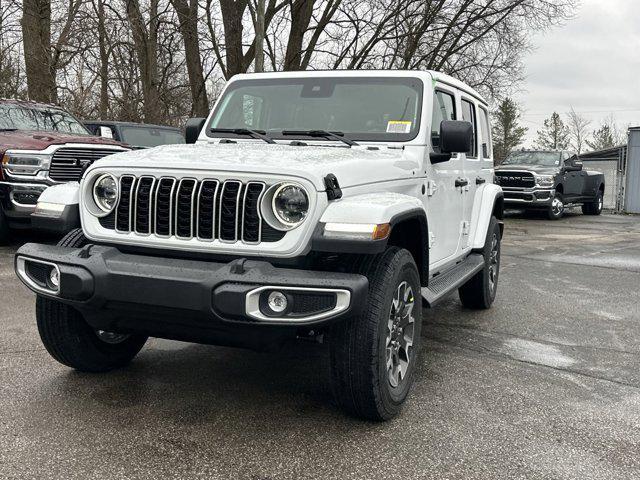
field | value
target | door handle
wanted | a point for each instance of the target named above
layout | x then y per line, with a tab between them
480	181
461	182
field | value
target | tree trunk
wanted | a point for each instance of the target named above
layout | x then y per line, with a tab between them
36	36
188	18
146	44
232	13
260	27
301	11
104	62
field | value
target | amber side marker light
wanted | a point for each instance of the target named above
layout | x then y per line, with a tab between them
357	231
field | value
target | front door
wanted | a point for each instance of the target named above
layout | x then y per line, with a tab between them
443	199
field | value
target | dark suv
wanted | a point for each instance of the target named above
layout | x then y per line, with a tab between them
550	181
40	145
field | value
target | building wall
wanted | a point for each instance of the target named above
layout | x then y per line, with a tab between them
632	190
611	173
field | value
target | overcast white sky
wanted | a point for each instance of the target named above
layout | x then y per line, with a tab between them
592	63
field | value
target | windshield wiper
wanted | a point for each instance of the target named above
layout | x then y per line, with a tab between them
8	129
339	136
245	131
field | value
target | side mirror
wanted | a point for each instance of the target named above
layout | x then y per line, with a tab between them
193	128
455	137
573	164
105	132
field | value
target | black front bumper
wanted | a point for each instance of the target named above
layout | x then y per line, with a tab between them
190	300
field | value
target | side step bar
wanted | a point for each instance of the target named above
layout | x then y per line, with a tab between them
440	286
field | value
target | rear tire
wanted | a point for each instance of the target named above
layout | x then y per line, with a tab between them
72	341
556	209
480	291
374	355
595	207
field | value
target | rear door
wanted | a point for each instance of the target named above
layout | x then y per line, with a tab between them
444	201
471	168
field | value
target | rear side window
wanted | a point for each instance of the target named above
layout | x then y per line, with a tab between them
486	135
443	109
469	115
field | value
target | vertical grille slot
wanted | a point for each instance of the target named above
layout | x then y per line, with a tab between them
164	206
143	205
207	209
251	218
228	210
185	207
123	212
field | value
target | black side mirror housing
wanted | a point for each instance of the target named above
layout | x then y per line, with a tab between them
573	164
455	137
193	128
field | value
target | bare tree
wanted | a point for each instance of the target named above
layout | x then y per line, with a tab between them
578	130
188	18
145	37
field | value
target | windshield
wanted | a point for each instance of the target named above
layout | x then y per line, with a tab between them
27	117
547	159
376	109
150	137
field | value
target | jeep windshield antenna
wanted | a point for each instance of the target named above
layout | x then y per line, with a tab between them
322	133
245	131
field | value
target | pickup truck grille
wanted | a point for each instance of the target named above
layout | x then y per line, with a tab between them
515	179
67	163
227	211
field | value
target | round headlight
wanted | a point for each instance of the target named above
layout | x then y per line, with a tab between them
290	204
105	193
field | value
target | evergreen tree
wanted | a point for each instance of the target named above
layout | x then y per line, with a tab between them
507	133
603	138
554	134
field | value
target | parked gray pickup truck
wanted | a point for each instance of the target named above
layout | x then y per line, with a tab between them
550	181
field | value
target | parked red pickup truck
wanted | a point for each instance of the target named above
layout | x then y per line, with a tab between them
40	145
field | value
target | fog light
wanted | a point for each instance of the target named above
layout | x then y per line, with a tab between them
54	278
277	302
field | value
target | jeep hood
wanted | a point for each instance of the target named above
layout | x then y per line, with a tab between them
352	166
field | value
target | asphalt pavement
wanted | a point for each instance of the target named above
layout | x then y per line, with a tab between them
545	385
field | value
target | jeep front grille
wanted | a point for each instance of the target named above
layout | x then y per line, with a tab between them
187	208
67	163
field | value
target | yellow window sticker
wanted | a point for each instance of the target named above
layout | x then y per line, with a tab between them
398	126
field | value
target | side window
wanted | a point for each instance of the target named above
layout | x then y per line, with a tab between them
443	109
469	115
486	135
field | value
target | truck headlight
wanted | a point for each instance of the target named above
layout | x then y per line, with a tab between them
105	193
25	163
544	180
290	204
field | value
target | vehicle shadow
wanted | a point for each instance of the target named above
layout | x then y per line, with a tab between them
189	384
539	214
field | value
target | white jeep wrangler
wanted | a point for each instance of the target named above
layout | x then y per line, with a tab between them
324	205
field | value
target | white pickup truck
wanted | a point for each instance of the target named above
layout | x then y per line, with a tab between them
321	205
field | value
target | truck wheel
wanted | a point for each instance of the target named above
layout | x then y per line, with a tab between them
556	209
480	291
594	208
4	228
374	355
71	341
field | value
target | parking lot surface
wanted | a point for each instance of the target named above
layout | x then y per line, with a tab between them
544	385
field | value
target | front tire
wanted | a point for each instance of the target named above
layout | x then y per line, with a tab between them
480	291
72	341
374	355
556	209
595	207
